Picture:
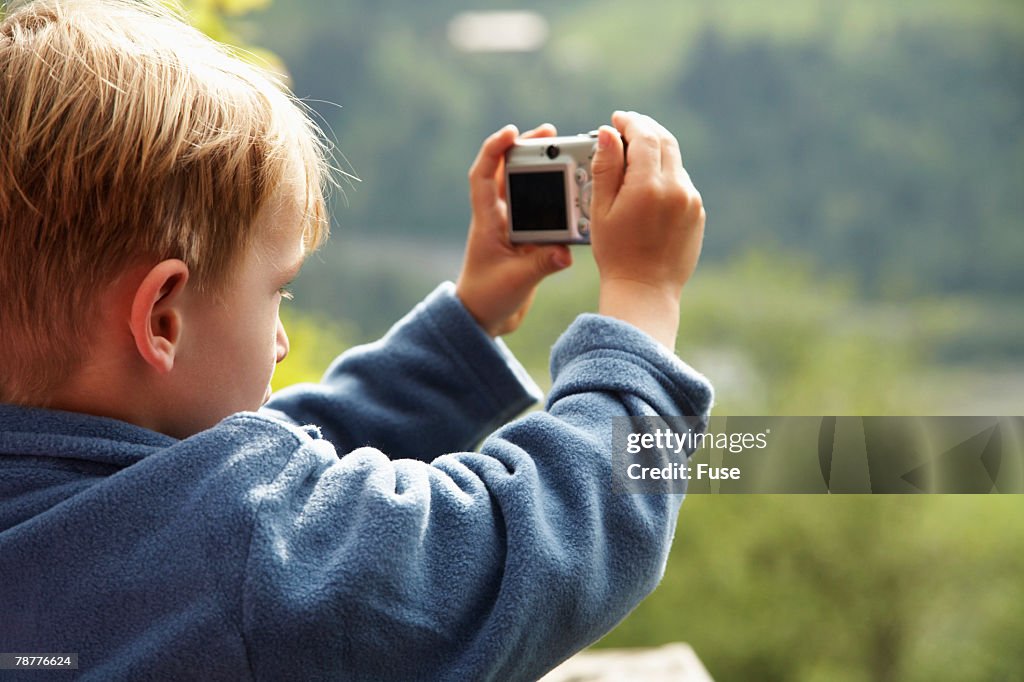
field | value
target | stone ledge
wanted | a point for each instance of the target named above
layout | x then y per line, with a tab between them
674	662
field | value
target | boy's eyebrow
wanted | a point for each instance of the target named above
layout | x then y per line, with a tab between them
292	272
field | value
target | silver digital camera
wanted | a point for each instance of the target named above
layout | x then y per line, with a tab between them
549	186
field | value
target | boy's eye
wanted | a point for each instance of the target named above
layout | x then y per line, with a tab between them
286	293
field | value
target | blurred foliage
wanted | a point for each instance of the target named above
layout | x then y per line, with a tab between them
843	588
880	140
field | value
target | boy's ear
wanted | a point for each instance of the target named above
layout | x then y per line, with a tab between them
156	316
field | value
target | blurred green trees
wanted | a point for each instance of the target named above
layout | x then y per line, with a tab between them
878	140
843	588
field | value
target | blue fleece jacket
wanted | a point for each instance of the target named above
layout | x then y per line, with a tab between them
357	548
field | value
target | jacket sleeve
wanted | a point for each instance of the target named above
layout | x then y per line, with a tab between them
490	565
435	383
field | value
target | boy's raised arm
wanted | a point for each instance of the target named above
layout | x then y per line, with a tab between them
438	382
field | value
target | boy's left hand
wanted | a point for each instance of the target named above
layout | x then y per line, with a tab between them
498	278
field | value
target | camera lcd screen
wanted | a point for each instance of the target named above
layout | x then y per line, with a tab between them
537	200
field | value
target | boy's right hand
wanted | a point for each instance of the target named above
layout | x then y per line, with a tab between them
647	225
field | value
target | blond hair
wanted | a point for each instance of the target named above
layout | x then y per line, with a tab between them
127	136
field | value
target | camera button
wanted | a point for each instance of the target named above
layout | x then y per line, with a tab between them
581	176
584	227
586	195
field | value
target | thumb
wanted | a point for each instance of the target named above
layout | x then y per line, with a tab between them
544	261
551	259
608	169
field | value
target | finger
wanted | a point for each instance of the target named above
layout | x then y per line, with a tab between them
557	257
608	169
543	130
672	164
533	265
483	188
643	135
671	156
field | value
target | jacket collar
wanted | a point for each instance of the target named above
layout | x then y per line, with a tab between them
71	435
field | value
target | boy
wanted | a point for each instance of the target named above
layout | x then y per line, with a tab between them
160	521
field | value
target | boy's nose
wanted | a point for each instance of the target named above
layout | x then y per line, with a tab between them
282	342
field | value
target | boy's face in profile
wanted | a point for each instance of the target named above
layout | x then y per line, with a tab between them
231	343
